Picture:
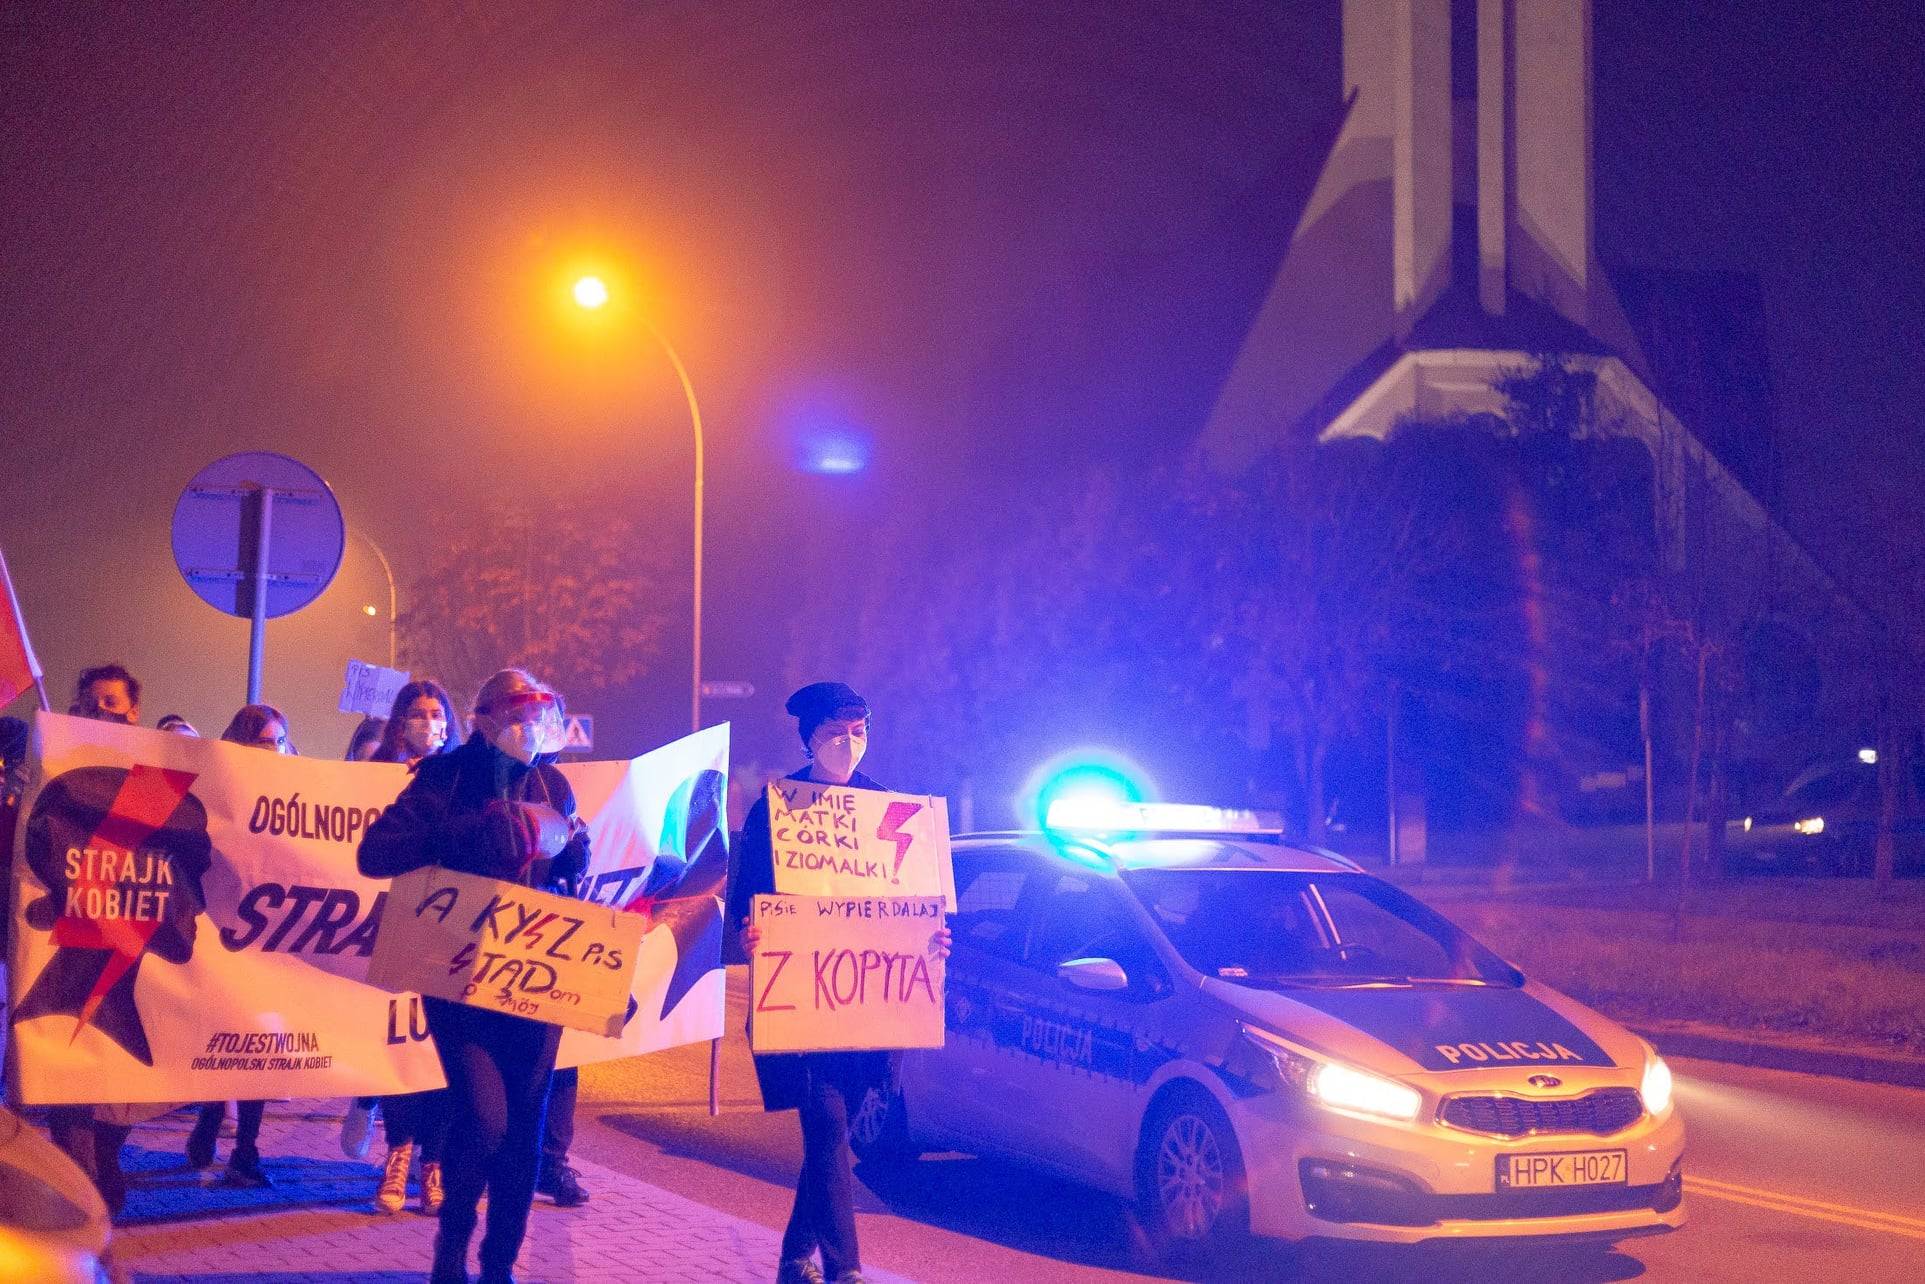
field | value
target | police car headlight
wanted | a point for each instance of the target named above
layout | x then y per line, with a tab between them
1655	1090
1333	1084
1347	1088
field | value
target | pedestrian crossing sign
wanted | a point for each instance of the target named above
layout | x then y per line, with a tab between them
580	734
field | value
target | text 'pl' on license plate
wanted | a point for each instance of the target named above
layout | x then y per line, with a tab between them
1564	1168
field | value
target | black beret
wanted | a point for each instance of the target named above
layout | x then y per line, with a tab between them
819	701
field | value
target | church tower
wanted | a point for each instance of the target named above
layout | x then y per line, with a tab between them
1455	210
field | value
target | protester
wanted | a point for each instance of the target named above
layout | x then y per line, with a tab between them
264	727
13	783
107	693
93	1136
422	723
356	1125
558	1179
495	807
822	1086
178	725
13	760
367	734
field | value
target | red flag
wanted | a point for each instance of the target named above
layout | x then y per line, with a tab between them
18	667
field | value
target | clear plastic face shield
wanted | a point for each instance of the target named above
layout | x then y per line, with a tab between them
525	724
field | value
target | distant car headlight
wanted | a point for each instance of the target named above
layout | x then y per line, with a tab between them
1655	1090
1810	825
1336	1085
1747	824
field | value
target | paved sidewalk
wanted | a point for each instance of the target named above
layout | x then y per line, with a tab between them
316	1224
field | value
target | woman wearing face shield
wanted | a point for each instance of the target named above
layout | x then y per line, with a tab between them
497	807
822	1086
421	724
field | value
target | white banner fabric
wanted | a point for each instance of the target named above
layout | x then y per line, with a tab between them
188	923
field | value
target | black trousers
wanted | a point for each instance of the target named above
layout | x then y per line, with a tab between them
824	1216
247	1122
95	1147
498	1070
418	1119
558	1133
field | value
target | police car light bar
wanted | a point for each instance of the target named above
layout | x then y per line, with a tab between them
1110	816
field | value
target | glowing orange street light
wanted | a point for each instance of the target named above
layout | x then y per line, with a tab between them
591	294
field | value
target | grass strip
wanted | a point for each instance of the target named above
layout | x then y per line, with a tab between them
1841	983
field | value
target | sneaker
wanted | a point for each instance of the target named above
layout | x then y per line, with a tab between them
798	1270
200	1141
394	1180
244	1169
431	1191
560	1183
357	1126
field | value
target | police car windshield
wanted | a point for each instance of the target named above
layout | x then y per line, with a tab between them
1279	929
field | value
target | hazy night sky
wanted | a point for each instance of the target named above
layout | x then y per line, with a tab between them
997	239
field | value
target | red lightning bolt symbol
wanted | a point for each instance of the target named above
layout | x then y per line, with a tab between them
146	799
890	830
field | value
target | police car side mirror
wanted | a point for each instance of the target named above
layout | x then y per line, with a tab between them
1094	974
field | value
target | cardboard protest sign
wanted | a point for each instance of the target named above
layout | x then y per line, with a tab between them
507	948
831	840
371	688
188	925
839	973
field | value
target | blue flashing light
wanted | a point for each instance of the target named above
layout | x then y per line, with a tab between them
1084	780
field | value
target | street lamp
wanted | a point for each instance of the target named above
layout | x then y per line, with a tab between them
394	598
591	294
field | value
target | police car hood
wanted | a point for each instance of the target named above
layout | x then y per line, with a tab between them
1408	1029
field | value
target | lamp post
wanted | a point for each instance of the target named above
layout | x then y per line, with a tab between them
591	294
394	598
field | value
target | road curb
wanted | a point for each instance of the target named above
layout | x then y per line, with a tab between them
1868	1067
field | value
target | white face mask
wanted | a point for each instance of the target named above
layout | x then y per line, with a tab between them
525	741
424	735
838	757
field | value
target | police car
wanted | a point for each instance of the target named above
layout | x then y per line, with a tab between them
1245	1035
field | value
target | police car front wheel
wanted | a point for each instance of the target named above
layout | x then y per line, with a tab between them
1190	1176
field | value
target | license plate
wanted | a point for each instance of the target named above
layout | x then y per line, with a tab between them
1563	1168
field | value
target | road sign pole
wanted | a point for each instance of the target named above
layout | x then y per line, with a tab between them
263	502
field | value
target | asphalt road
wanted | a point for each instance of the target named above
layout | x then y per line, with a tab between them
1789	1177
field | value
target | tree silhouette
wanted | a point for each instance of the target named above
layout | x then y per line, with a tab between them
577	599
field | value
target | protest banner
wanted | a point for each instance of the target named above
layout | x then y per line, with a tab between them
507	948
188	923
845	974
832	840
658	832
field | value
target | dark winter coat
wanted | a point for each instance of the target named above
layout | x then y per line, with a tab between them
782	1076
442	818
